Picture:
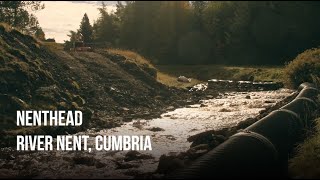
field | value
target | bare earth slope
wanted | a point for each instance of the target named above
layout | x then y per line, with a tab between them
108	88
112	84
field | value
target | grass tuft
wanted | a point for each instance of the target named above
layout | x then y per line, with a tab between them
306	163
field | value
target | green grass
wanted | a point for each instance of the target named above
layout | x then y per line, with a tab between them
306	164
304	68
205	72
163	77
167	74
53	45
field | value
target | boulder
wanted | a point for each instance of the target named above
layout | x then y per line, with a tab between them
168	163
184	79
203	135
135	155
155	129
84	159
79	100
10	103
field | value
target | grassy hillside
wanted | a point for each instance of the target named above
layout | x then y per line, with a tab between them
306	162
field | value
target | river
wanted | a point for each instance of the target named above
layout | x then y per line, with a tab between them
168	133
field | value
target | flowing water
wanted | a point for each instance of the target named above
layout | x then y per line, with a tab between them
173	129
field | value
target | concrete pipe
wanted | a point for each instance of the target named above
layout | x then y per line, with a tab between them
283	128
306	84
308	92
242	155
304	107
261	150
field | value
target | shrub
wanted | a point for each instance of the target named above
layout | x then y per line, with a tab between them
304	68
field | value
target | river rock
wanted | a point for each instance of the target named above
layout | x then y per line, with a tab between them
170	108
126	165
220	138
202	138
209	96
206	134
183	79
135	155
155	129
226	132
84	159
79	100
224	110
269	101
125	109
203	105
62	105
7	174
169	163
100	164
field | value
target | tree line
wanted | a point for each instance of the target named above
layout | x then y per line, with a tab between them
192	32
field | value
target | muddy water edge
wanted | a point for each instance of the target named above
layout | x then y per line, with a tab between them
178	137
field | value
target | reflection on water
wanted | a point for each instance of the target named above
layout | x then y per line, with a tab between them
168	135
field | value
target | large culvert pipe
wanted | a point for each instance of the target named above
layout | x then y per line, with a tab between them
306	84
261	150
308	92
241	155
281	127
304	107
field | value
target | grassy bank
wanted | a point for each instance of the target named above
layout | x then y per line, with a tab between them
205	72
306	164
167	74
163	75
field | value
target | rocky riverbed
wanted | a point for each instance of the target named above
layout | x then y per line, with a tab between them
201	126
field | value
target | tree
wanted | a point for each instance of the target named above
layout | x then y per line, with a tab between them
228	32
198	8
86	29
75	36
40	34
106	27
16	14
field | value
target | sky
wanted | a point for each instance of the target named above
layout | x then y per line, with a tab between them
59	17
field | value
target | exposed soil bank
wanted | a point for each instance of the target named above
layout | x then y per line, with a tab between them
109	88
